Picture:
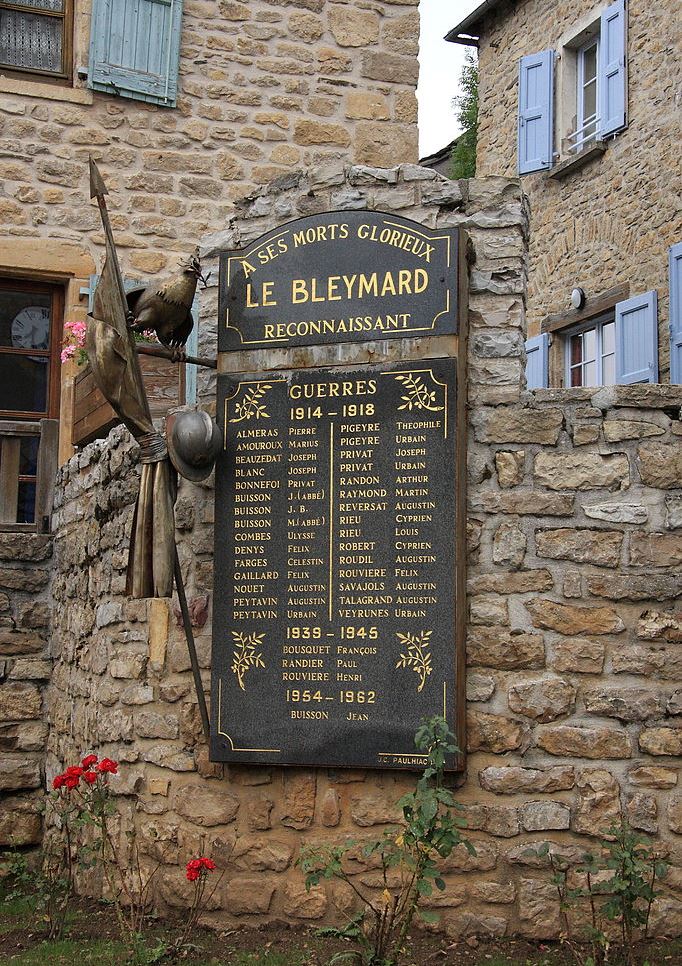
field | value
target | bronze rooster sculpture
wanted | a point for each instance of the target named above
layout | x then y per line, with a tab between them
166	306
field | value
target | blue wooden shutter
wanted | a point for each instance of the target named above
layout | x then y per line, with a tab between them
612	69
536	117
676	313
637	339
537	362
135	49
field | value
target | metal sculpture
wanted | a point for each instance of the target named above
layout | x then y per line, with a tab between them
153	563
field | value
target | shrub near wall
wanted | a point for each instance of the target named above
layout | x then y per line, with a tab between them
575	676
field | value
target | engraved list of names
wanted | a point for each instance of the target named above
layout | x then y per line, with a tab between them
334	612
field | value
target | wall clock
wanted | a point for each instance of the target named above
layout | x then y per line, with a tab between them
31	328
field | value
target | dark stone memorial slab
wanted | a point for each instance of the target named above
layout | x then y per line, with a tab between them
341	276
335	570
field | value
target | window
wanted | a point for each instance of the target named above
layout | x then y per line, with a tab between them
30	340
590	99
591	355
586	96
612	342
35	36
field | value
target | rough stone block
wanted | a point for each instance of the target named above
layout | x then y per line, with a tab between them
29	579
488	609
635	586
509	545
543	700
653	776
249	896
19	702
641	811
383	66
353	28
579	654
655	549
661	741
494	733
656	625
373	810
207	804
617	512
600	547
598	802
503	424
571	619
510	779
519	582
581	471
538	909
660	464
20	822
300	789
19	771
25	546
487	647
523	502
627	704
543	816
571	741
510	467
304	904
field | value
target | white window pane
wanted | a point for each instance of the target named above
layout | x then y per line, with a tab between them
590	345
608	337
590	63
609	370
590	101
590	374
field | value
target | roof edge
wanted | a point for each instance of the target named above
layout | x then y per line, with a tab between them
463	32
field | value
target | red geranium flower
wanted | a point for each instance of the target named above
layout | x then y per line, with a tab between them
197	867
58	781
89	760
106	764
74	771
90	777
72	781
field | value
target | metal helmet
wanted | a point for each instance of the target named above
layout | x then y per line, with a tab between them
194	441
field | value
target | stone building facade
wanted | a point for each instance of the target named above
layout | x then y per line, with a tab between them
263	87
574	679
605	218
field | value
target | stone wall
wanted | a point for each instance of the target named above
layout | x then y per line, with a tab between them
25	564
575	680
612	221
264	87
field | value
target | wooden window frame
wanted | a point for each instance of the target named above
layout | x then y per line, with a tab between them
52	353
560	324
66	16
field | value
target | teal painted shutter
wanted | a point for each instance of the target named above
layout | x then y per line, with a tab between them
676	313
536	116
537	362
637	339
135	49
612	76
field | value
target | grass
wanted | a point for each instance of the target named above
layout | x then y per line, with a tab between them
69	951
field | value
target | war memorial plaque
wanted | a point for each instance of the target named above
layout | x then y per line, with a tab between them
335	589
340	276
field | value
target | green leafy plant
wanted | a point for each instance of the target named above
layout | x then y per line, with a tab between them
619	888
408	858
463	158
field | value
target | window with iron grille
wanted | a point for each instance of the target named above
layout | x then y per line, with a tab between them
35	36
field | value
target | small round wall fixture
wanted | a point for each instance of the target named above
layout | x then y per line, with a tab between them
578	298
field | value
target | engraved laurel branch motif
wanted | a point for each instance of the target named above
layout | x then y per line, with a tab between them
246	656
417	395
417	656
250	407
